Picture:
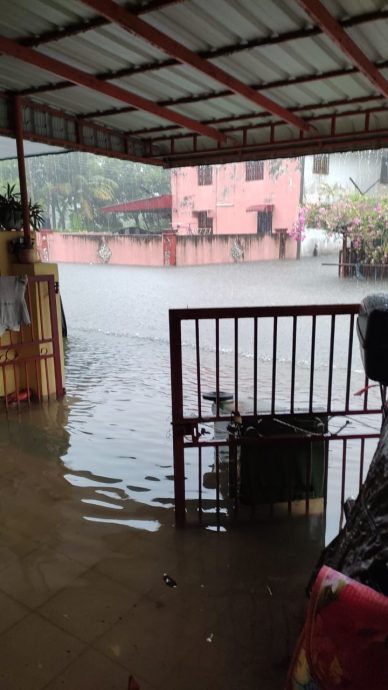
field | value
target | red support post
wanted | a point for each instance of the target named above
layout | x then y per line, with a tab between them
18	111
177	419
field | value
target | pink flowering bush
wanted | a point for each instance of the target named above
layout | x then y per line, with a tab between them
362	219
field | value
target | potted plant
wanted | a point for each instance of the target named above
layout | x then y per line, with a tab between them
23	248
11	217
11	212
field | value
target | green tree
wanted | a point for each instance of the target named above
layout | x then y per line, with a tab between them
72	187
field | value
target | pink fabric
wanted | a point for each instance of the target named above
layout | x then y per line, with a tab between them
344	642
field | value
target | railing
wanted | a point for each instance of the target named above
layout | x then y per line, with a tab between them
30	366
286	366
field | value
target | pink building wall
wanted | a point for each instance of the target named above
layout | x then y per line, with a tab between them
226	200
151	251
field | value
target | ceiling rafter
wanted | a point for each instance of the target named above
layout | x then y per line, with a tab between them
133	24
89	24
332	28
280	149
266	125
14	49
249	116
153	66
207	96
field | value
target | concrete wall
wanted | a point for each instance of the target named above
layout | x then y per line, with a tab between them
226	249
89	249
148	251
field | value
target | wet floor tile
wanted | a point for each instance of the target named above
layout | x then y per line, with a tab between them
92	671
140	567
190	677
150	640
90	606
80	544
34	651
36	577
11	612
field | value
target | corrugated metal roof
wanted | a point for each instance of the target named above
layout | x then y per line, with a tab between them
273	46
151	204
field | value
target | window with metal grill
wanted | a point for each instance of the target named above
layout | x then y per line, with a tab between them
264	223
254	170
205	174
321	164
384	170
205	224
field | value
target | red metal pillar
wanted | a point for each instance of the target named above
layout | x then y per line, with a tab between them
18	105
177	419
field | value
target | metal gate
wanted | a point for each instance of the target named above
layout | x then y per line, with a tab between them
30	364
295	371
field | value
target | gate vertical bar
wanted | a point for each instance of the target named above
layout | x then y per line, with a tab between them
255	365
331	359
312	362
294	326
362	453
236	364
177	418
274	355
55	336
198	363
349	368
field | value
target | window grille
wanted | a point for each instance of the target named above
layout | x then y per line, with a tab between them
264	223
254	170
205	224
321	164
205	174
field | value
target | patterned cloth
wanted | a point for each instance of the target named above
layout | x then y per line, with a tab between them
344	642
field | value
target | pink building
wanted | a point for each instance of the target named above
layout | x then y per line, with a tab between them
214	215
256	197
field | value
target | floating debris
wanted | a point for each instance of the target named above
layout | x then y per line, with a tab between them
269	590
210	638
169	581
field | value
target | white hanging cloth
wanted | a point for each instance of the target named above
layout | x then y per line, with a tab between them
13	307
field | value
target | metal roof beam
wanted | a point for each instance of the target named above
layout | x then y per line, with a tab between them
89	24
207	96
230	49
250	116
345	43
128	21
76	76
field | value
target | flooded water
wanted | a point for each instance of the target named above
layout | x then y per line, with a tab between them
112	432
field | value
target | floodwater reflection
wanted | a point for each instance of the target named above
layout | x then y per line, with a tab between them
112	432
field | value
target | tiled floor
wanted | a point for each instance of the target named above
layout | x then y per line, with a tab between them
84	605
